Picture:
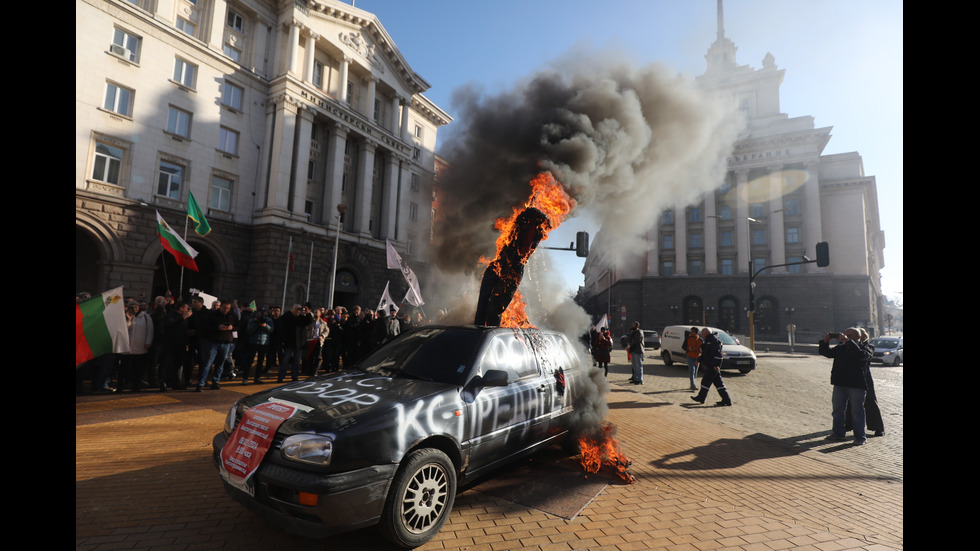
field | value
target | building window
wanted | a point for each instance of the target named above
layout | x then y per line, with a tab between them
667	268
694	214
186	26
125	45
118	99
416	183
416	154
418	131
231	96
235	21
185	73
758	210
378	106
792	235
668	242
179	122
696	241
413	211
791	207
794	269
220	194
668	217
726	238
727	266
725	212
228	141
758	237
758	264
234	53
318	74
170	180
107	165
696	268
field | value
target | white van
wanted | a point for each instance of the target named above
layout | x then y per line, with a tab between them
735	355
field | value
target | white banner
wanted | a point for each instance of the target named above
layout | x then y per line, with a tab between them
395	262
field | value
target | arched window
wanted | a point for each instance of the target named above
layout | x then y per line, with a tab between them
693	311
728	314
766	315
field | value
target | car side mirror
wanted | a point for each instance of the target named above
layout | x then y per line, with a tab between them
493	377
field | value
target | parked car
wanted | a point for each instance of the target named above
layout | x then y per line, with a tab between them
651	340
888	350
388	441
735	355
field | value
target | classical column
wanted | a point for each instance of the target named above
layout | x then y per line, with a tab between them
406	105
680	241
777	229
310	56
391	218
297	201
280	160
216	34
344	75
395	116
710	237
653	249
293	47
335	170
365	183
744	251
372	83
812	225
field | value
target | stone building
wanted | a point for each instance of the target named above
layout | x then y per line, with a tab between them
272	114
780	197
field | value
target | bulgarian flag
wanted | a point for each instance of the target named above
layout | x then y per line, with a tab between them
100	326
183	253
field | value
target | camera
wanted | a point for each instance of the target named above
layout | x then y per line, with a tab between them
835	335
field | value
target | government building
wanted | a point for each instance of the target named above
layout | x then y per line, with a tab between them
299	128
780	197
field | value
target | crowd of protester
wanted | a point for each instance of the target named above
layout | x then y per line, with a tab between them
178	345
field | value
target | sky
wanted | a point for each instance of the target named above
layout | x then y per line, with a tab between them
843	61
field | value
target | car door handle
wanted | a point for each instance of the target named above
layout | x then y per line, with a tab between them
543	388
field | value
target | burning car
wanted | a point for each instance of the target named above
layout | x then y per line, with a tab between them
388	441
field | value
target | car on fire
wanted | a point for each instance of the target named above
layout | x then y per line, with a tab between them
389	441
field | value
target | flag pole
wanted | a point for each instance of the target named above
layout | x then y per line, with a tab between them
309	273
285	280
180	288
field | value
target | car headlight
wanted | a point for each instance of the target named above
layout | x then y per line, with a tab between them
314	449
230	419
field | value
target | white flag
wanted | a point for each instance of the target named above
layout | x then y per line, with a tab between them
410	298
395	262
386	301
604	322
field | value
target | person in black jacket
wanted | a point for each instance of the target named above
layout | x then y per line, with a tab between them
294	324
847	376
710	360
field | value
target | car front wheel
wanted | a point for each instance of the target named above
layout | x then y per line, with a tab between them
666	357
421	497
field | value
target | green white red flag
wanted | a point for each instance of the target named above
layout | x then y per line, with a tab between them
183	253
100	326
194	211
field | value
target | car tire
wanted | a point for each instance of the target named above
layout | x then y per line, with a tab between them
744	371
420	499
665	355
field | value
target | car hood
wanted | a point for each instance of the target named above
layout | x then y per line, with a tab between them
737	350
339	402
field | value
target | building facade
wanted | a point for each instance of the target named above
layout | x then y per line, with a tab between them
780	197
276	116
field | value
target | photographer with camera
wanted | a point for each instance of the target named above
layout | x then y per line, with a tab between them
294	324
847	376
260	329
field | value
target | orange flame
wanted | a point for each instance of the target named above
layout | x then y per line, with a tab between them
549	197
602	448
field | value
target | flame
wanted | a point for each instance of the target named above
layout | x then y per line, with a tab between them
601	448
549	197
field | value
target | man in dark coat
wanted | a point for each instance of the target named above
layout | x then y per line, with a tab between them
294	324
710	360
847	376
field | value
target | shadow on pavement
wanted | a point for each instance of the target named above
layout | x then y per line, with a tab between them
725	453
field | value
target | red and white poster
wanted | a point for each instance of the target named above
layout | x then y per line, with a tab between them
251	439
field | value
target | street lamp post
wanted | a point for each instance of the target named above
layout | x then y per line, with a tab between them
341	209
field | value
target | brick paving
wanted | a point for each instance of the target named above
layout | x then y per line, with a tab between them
144	479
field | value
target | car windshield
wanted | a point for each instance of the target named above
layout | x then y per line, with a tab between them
885	343
436	354
725	338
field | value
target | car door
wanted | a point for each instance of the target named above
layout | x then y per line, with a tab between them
501	421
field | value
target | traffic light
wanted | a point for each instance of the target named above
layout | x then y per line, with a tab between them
582	244
823	254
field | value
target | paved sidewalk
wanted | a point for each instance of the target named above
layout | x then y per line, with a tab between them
144	479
